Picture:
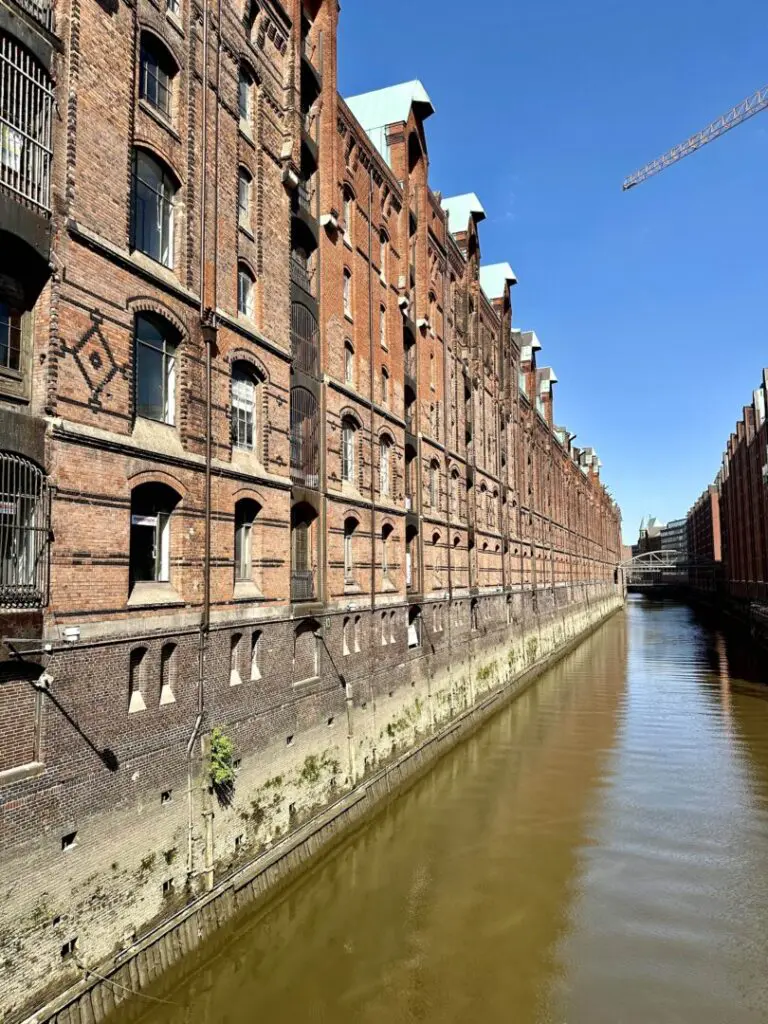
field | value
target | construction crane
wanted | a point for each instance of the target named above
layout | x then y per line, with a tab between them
740	113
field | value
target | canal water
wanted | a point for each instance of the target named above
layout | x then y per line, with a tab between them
596	854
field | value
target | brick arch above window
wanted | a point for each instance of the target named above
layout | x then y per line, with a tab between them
251	493
244	355
149	146
148	304
244	59
156	31
156	476
348	413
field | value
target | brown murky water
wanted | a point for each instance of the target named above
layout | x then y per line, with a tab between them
597	854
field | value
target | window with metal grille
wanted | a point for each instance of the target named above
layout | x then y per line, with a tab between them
156	346
304	339
244	410
154	194
156	71
10	337
305	440
26	109
25	518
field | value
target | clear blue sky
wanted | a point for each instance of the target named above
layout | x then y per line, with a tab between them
652	306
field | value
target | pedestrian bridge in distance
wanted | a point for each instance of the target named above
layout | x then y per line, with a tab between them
662	570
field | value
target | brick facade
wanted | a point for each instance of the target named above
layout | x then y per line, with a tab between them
273	453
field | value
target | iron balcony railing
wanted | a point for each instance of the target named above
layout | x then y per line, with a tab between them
305	342
305	438
26	111
410	362
42	12
302	585
302	274
25	517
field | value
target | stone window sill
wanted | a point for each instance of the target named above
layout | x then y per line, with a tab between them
246	590
22	773
159	118
150	595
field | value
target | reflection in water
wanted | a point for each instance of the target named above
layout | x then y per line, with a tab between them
597	853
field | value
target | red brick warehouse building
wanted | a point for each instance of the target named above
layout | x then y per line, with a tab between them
271	452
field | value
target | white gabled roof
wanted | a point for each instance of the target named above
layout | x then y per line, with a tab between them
375	110
460	209
494	278
529	344
547	377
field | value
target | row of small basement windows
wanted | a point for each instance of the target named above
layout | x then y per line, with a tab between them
244	663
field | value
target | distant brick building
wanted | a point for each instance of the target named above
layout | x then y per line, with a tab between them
264	419
743	500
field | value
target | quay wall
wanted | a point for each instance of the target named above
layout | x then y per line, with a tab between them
121	898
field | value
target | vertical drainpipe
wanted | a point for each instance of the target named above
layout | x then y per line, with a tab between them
203	622
446	429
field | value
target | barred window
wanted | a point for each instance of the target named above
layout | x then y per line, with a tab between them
24	533
26	108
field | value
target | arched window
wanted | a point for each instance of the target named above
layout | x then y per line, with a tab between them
414	626
345	636
156	73
156	347
305	651
434	483
154	197
455	492
245	406
245	98
305	444
168	673
256	643
26	110
137	680
152	505
244	185
347	292
349	201
385	452
348	458
386	534
349	362
245	283
246	511
235	651
304	338
384	386
383	326
350	525
383	255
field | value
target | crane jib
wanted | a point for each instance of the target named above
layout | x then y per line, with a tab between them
741	112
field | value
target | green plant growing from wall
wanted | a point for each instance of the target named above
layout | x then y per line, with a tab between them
221	764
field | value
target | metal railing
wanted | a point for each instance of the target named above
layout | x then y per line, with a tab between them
302	585
305	438
302	274
26	110
305	341
306	197
42	12
25	517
